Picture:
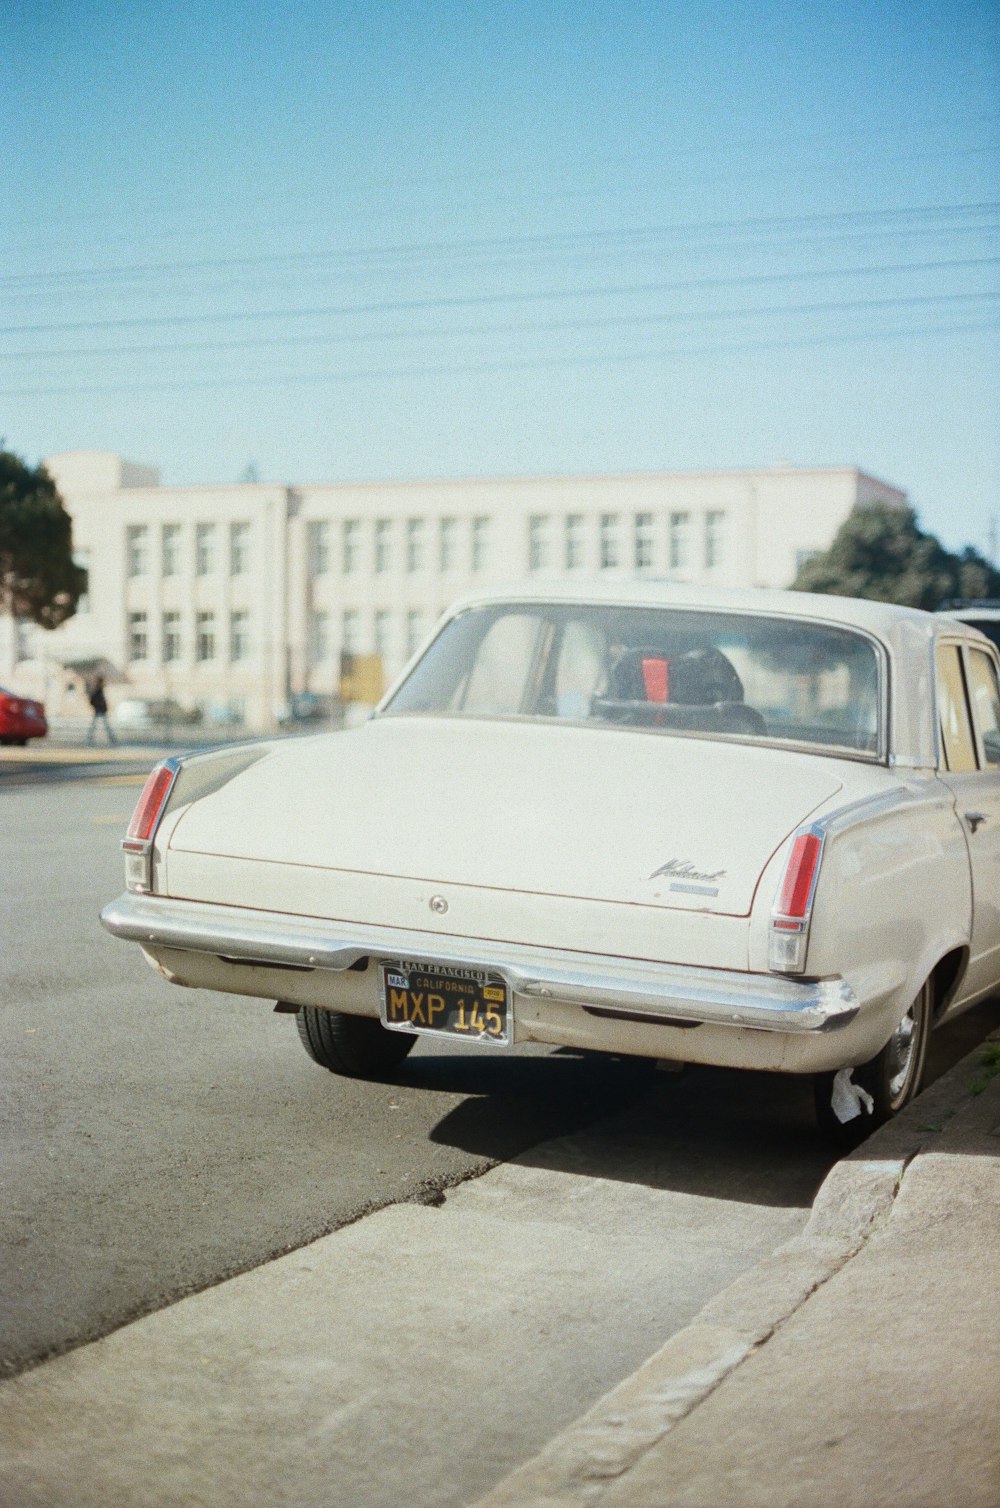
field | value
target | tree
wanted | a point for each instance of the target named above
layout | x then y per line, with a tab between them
880	552
38	577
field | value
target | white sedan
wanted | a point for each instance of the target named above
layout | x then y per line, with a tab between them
753	829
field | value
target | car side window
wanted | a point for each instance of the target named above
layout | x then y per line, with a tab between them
953	710
984	693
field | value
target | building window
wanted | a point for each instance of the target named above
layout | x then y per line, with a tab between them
351	545
23	635
574	541
239	549
643	541
136	550
610	556
81	558
319	546
170	549
204	549
319	637
205	637
414	630
239	635
383	545
171	638
138	637
680	537
414	544
539	553
480	543
447	543
350	633
715	542
380	637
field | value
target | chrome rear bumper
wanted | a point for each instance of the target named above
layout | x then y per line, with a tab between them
636	988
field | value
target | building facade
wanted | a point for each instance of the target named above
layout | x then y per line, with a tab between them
235	599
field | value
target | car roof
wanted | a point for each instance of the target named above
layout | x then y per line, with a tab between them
879	618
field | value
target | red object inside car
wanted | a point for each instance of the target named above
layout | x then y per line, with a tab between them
656	679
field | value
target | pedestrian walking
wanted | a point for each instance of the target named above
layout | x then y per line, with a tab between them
99	703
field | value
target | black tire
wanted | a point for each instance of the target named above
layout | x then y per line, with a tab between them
892	1078
356	1046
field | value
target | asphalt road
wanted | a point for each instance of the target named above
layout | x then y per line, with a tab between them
157	1140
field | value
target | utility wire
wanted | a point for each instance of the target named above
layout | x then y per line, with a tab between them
554	240
396	306
362	337
508	364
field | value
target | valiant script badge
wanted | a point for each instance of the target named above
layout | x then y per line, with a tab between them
684	876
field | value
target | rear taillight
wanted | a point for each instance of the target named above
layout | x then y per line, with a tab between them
788	934
138	841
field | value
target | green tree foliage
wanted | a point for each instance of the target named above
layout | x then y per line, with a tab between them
38	577
880	552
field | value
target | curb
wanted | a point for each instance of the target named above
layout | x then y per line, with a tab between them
855	1199
60	754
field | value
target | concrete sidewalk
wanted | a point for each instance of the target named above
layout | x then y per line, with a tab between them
857	1365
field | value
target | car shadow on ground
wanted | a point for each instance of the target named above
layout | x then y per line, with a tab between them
714	1132
718	1133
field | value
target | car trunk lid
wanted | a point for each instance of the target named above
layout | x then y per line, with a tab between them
622	816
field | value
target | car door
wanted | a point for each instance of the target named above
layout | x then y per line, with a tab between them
969	709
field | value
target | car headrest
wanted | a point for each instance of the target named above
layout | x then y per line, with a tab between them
697	678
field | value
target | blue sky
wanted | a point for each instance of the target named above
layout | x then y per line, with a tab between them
388	241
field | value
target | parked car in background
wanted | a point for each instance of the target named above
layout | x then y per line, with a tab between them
305	708
979	612
751	829
137	715
21	718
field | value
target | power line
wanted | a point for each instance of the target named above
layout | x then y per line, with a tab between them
763	147
510	364
553	240
397	306
361	337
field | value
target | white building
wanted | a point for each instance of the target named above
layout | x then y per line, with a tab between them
233	598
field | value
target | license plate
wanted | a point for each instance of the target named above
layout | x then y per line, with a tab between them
473	1004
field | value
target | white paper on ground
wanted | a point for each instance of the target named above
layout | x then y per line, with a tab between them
849	1099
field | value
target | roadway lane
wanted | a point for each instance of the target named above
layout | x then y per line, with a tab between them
158	1140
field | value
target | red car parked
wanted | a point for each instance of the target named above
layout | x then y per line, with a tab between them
20	718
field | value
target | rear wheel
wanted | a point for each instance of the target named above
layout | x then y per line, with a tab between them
892	1078
356	1046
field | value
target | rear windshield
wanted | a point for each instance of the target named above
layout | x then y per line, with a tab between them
663	669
